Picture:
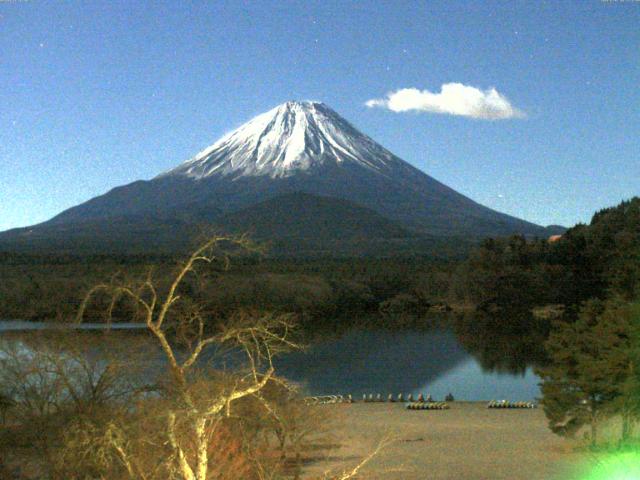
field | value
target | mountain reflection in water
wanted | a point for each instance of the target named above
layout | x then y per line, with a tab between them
434	362
474	361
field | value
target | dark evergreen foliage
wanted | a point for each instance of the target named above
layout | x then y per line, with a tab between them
591	373
589	261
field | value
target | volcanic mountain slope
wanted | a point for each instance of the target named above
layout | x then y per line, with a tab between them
296	147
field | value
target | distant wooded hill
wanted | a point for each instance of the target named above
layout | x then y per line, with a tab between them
588	261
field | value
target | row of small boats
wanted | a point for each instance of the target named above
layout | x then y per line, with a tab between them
420	403
507	404
428	406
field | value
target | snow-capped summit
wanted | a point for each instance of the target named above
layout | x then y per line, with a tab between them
292	137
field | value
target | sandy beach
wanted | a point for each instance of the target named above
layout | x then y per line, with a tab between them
466	442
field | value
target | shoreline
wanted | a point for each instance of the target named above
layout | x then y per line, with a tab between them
466	442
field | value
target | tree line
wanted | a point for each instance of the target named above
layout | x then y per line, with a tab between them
326	293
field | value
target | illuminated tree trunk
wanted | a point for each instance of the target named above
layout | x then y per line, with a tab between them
201	455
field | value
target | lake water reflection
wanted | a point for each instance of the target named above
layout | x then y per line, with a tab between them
415	362
382	361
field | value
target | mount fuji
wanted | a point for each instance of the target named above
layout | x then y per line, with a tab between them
297	173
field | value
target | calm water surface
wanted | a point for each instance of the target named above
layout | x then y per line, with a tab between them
359	362
414	362
20	325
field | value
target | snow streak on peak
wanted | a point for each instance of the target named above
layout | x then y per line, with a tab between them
293	137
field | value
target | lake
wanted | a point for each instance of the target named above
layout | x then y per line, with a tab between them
381	361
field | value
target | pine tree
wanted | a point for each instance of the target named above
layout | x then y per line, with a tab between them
620	327
575	389
592	372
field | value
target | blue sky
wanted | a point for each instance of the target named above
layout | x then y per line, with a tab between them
97	94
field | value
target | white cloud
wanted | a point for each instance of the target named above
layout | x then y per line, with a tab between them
453	99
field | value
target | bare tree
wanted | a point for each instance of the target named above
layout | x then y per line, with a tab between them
197	407
355	472
126	416
53	379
